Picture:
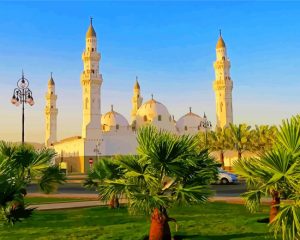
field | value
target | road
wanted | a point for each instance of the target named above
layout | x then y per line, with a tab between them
77	188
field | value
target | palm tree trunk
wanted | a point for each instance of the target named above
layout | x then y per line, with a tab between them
114	202
274	205
239	155
222	158
159	229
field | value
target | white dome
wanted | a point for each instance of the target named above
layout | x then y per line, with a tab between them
113	119
154	112
189	123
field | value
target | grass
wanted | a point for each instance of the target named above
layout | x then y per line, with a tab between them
212	221
42	200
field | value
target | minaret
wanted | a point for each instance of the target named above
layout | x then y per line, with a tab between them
91	81
51	114
223	85
136	100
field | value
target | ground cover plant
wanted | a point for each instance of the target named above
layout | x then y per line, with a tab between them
44	200
212	221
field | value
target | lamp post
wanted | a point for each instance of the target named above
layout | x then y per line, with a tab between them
206	125
22	94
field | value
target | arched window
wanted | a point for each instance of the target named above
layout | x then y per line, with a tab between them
117	126
185	128
159	117
145	118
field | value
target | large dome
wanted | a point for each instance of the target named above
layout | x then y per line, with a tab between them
154	112
114	120
189	123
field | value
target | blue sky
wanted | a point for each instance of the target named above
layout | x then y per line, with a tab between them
169	45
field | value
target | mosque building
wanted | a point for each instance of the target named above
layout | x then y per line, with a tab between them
110	133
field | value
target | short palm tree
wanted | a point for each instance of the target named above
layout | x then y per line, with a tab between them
104	169
168	170
276	173
19	164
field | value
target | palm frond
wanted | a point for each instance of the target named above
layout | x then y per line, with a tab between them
252	199
191	194
50	179
287	222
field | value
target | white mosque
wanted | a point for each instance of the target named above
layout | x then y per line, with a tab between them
111	133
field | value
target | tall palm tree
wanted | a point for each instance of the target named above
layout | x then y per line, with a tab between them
263	137
19	165
168	170
240	138
219	141
276	173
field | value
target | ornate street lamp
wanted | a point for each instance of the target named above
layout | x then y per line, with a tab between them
22	94
206	125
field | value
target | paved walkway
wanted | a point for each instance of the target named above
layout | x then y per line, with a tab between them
94	202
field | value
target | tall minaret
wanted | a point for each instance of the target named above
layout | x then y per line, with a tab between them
136	100
91	81
51	113
223	85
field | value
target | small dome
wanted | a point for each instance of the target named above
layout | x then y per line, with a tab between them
113	119
151	109
91	31
220	43
189	123
155	113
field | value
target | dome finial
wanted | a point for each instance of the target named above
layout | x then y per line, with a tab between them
112	107
190	109
91	19
204	116
220	31
152	96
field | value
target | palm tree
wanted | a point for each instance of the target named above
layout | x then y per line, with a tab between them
168	170
263	137
104	169
19	164
276	173
240	138
219	141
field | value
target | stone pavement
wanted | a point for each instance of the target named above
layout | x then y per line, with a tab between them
94	202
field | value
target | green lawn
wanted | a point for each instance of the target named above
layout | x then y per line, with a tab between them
42	200
213	221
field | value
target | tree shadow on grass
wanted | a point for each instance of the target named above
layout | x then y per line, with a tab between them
222	237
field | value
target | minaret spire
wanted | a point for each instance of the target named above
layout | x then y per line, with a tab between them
136	102
223	85
51	114
91	81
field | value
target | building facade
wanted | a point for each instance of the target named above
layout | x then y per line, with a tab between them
111	134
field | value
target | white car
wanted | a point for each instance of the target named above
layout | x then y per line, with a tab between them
227	177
